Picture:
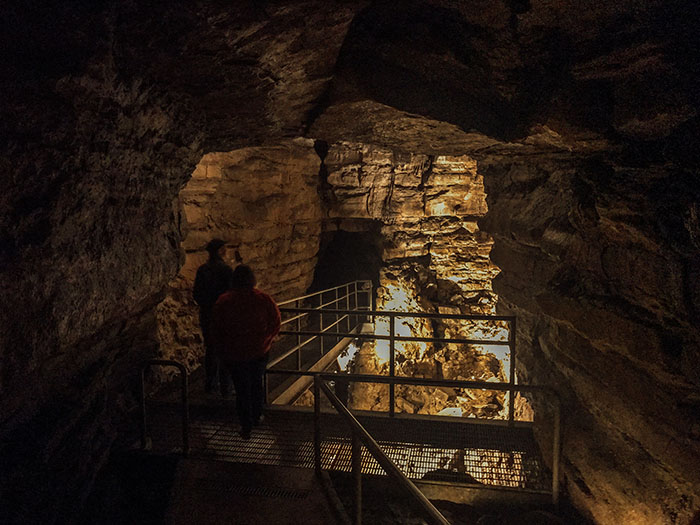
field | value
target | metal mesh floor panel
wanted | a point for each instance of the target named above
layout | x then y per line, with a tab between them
458	452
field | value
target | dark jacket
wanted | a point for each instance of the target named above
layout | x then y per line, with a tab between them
213	278
244	323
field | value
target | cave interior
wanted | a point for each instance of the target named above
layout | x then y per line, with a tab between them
531	158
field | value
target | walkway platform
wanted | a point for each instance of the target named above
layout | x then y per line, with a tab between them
434	450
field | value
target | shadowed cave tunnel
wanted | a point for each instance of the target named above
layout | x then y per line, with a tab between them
578	121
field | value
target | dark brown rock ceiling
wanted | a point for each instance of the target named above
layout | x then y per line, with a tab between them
583	120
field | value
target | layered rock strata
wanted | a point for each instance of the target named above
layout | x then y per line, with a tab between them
605	292
428	207
435	259
264	203
106	108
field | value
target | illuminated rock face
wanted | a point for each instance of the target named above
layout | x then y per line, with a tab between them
605	295
434	259
264	202
428	207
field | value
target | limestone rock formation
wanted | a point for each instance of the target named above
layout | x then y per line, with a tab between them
434	259
105	110
581	117
265	203
428	207
604	298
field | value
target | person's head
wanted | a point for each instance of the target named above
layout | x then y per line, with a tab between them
243	277
215	248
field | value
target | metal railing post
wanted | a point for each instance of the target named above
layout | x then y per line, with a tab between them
392	365
298	322
144	431
347	306
511	380
556	451
356	317
317	424
336	306
320	321
392	470
184	398
357	476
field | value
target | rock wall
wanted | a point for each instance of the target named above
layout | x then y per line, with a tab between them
107	107
428	207
435	258
265	203
583	120
605	289
105	110
92	162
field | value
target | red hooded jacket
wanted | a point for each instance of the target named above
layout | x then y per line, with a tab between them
244	323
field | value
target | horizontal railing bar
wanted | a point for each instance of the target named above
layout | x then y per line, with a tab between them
340	298
420	381
318	308
328	310
402	338
320	292
387	464
385	313
300	316
322	306
289	352
326	328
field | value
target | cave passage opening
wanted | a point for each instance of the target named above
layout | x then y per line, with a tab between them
406	222
348	251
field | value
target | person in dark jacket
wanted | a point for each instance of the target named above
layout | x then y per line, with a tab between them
245	321
213	278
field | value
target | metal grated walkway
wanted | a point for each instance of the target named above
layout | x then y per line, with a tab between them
429	449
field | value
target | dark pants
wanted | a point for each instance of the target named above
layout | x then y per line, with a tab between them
250	395
216	376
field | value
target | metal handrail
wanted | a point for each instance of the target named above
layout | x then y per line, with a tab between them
364	281
289	352
185	402
392	313
420	381
360	434
393	337
400	337
483	385
351	290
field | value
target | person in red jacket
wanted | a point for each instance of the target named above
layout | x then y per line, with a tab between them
245	321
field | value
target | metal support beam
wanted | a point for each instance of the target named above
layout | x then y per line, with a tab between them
392	365
317	424
357	476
